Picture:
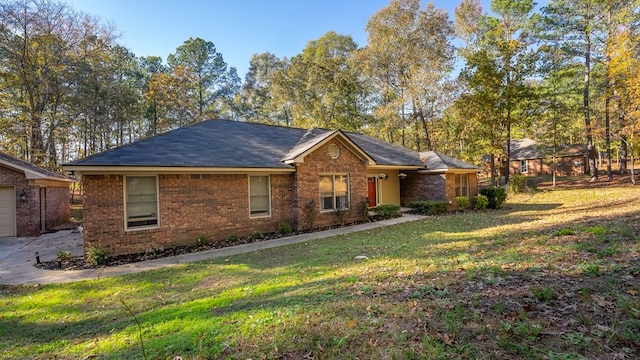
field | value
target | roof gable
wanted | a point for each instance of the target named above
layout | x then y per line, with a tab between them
315	138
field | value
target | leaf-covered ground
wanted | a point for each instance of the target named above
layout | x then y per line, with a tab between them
552	275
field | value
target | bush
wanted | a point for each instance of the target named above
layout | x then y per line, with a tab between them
64	255
257	235
285	228
233	239
387	211
462	202
202	241
516	183
480	202
96	255
429	207
495	195
341	215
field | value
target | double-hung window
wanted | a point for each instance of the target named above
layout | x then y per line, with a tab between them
462	185
141	194
259	196
334	192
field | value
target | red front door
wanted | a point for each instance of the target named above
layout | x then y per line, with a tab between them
371	191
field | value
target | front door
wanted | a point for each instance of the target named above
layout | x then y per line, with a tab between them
372	192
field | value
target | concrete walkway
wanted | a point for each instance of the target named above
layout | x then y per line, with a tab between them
17	255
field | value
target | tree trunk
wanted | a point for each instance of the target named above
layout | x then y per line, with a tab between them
35	140
508	167
608	138
623	138
493	170
591	150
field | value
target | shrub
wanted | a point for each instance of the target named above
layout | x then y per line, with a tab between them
495	195
341	215
202	241
429	207
233	239
64	255
257	235
387	211
96	255
462	202
285	228
364	209
516	183
480	202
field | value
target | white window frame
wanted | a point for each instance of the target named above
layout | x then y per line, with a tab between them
524	166
333	182
456	182
125	202
268	213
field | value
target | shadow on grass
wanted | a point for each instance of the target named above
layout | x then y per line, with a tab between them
449	274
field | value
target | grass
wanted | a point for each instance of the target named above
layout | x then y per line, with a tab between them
496	284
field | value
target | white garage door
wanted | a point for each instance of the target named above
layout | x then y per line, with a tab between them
7	212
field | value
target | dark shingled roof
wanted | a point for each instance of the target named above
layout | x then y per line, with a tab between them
23	165
436	161
225	143
526	149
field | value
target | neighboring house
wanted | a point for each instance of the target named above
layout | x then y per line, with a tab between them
533	159
220	178
32	199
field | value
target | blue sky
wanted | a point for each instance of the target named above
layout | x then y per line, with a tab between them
238	28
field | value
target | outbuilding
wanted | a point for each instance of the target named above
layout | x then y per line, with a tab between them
32	199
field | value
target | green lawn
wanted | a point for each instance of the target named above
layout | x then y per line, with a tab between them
554	275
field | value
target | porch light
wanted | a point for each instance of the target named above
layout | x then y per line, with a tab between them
402	176
22	195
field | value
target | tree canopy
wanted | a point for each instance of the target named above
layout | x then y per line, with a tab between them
561	74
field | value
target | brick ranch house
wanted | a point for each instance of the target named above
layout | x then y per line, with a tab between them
533	159
220	178
32	199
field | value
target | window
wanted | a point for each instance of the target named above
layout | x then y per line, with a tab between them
523	167
462	185
259	197
334	192
141	208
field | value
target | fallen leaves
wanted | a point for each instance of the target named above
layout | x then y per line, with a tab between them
601	301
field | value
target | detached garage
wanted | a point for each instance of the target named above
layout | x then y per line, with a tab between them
32	199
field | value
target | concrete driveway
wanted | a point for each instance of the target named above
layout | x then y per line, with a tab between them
17	255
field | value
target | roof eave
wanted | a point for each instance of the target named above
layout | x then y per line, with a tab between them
34	175
449	170
117	169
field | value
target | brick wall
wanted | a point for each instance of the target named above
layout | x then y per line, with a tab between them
416	187
57	206
542	167
27	211
307	191
190	205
